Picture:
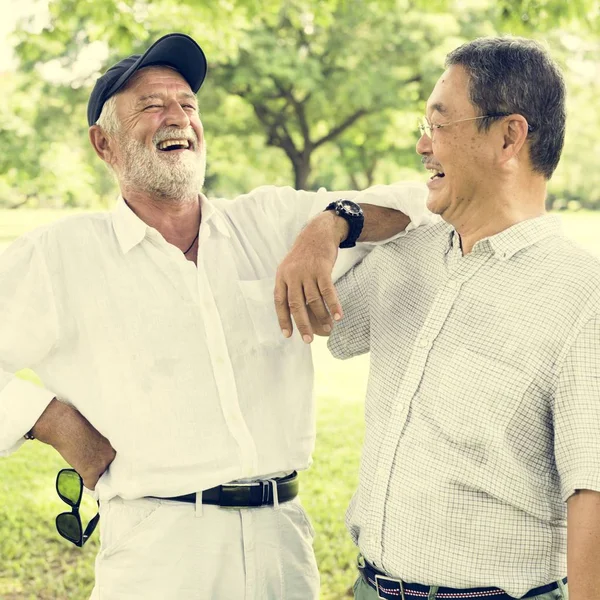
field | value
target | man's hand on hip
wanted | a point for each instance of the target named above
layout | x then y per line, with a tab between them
304	289
78	442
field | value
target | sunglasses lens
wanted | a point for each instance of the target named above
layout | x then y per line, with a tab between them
69	526
70	487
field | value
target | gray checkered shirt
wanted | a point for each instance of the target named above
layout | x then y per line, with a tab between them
483	403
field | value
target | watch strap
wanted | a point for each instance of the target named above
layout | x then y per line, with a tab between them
355	221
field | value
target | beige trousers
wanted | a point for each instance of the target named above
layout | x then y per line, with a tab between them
162	550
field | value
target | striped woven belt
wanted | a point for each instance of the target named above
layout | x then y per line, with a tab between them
390	588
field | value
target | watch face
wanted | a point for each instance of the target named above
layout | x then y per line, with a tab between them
351	208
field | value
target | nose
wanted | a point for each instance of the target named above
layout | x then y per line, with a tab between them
176	116
424	145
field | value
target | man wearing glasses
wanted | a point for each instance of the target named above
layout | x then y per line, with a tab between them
156	322
480	473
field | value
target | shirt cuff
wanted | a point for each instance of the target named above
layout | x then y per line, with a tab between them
579	482
21	405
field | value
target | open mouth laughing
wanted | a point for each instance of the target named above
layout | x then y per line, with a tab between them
173	141
170	145
436	173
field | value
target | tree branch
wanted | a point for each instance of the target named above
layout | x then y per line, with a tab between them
298	109
274	137
341	127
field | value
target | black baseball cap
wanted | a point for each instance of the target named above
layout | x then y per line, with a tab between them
175	50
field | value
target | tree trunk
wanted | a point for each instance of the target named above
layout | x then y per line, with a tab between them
302	170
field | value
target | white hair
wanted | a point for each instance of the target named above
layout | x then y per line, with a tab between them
108	119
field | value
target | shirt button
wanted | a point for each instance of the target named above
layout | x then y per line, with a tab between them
424	341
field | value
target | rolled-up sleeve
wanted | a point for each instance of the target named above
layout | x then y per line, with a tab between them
577	413
28	333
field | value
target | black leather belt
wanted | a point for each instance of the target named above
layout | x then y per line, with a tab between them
390	588
246	495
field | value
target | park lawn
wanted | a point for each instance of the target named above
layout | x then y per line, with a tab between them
36	564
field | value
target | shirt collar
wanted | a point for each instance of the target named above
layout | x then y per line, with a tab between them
212	217
131	230
507	243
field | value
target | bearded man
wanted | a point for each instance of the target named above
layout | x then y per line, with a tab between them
168	384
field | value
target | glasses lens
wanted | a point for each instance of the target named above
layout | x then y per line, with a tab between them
69	526
69	487
423	126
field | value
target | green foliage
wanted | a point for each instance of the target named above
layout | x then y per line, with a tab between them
527	16
312	76
301	92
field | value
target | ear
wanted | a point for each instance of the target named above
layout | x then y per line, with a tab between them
515	130
103	145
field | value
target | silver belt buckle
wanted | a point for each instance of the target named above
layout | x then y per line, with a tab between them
398	582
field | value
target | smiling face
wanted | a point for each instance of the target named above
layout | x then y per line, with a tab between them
160	145
461	157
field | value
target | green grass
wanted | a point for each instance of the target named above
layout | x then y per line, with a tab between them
35	564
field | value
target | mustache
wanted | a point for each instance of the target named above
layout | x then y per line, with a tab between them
187	133
431	164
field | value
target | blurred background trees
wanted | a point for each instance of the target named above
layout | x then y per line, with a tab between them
306	93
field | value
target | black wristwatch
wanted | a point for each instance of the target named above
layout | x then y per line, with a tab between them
353	213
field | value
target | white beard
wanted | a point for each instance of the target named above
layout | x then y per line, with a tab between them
176	177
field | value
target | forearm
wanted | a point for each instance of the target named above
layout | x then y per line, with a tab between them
381	223
73	436
304	277
583	545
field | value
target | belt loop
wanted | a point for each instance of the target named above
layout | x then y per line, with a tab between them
433	590
275	494
564	590
199	505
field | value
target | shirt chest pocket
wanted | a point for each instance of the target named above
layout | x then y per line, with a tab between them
258	298
477	398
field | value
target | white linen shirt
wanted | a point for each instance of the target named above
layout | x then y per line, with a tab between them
483	402
183	368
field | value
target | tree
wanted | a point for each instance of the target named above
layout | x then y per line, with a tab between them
309	70
312	75
328	87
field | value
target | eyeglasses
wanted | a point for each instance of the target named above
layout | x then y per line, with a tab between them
69	486
427	128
